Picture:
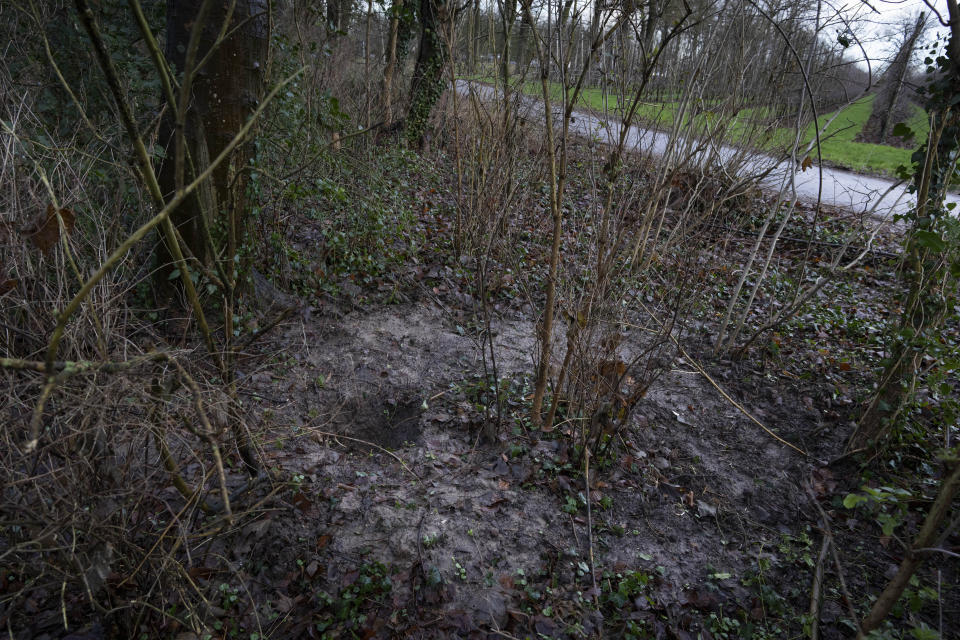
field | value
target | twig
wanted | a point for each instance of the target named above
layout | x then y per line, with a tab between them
952	554
73	367
696	365
207	434
810	241
843	584
163	534
703	372
170	464
828	531
273	323
375	446
593	568
815	591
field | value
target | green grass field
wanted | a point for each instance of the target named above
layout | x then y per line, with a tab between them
837	142
838	146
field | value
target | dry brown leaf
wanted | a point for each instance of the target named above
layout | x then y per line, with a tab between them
200	572
806	164
44	233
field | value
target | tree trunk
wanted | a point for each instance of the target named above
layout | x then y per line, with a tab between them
225	91
427	85
523	37
508	19
886	102
474	36
338	14
390	68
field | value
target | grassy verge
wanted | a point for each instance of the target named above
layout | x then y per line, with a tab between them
838	147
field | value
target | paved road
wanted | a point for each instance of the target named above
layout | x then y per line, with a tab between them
840	188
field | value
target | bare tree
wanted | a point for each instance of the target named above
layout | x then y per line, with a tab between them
886	104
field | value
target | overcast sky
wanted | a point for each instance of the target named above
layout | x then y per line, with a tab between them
877	40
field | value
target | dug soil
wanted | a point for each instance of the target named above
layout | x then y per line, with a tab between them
706	518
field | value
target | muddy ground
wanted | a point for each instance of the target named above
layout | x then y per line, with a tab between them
699	490
702	521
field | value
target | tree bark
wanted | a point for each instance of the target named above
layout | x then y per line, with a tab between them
225	90
474	36
427	85
391	65
339	13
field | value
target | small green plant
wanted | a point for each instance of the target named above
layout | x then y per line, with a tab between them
722	626
229	597
346	614
296	482
570	506
888	505
619	592
623	588
459	569
796	548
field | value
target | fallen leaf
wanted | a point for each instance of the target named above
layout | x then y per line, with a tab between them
200	572
806	164
823	482
44	233
302	502
496	503
283	603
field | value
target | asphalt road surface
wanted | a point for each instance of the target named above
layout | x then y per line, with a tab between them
835	187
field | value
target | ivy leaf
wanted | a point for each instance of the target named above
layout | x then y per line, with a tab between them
853	499
955	269
924	633
929	240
